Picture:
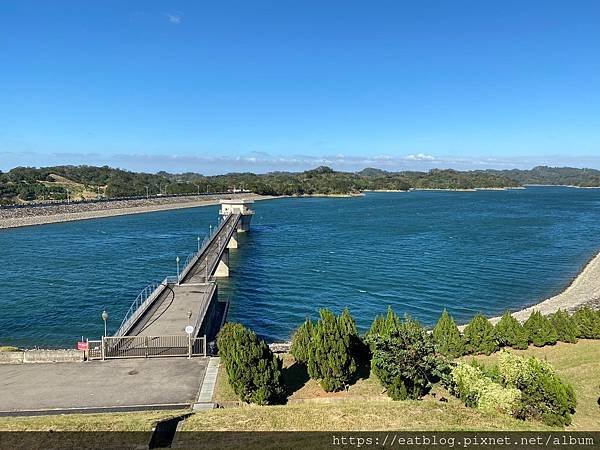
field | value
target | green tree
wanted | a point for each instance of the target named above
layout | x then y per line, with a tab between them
301	342
509	332
588	323
405	361
479	336
254	372
539	330
566	329
447	337
331	359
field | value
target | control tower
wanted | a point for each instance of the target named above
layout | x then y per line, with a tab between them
238	206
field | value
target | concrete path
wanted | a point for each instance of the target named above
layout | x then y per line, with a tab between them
124	384
208	386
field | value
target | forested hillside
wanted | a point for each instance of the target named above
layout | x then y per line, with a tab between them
25	184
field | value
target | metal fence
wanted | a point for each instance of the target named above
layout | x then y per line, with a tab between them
112	347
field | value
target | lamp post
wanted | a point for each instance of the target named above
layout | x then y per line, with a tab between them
104	318
177	261
210	230
198	244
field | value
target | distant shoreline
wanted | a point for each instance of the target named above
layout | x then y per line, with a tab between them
584	290
67	213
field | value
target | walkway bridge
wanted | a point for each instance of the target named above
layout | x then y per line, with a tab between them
177	316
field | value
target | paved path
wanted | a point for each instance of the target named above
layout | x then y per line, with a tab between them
120	384
208	386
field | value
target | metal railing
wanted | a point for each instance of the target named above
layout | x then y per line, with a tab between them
192	258
144	298
116	347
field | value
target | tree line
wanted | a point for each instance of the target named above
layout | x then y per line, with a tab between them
38	184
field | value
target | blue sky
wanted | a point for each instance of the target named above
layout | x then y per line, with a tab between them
288	85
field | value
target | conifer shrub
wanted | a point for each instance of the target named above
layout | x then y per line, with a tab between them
588	323
566	329
405	360
469	383
510	333
446	336
544	396
479	336
384	325
331	358
254	372
539	330
301	341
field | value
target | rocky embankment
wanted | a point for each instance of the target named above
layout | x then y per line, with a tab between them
39	215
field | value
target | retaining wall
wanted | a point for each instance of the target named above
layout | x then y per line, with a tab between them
41	356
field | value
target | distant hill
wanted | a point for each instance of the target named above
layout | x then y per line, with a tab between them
26	184
567	176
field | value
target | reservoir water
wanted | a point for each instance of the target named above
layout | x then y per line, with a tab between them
470	252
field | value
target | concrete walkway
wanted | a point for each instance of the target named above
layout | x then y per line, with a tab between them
208	386
120	384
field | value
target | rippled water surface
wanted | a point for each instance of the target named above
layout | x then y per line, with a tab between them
419	252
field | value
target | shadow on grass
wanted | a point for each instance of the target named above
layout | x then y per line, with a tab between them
363	371
294	378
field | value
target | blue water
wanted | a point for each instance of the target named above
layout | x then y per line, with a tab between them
419	252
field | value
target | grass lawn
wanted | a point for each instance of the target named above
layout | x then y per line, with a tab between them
353	415
129	421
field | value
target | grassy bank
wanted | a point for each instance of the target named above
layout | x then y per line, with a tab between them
365	407
130	421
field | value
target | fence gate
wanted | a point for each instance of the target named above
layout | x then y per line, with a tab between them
112	347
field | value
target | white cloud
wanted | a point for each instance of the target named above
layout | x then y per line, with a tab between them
175	19
420	157
260	161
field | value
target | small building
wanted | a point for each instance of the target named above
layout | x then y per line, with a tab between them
238	206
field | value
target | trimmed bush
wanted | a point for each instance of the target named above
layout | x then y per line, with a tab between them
405	360
332	359
447	337
510	333
566	329
479	336
301	341
475	389
544	396
539	330
588	323
253	371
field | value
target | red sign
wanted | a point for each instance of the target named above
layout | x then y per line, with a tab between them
82	345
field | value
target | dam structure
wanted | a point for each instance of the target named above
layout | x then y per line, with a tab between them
180	315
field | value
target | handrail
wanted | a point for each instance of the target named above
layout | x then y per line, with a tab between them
192	258
148	293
